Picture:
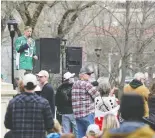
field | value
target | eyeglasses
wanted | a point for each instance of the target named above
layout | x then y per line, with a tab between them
88	74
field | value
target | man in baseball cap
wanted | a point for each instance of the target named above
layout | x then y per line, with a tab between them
64	103
86	70
68	75
30	81
30	110
83	111
43	73
47	90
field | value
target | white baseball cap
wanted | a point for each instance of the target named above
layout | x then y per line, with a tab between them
68	75
94	128
29	78
43	73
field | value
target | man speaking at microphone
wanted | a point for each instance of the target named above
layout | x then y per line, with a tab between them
26	52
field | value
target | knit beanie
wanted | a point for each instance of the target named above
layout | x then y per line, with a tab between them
132	107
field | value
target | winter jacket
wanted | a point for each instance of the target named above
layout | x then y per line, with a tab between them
63	98
48	93
131	130
139	88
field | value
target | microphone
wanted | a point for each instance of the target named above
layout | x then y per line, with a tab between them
29	41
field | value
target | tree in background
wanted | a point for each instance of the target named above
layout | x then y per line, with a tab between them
124	30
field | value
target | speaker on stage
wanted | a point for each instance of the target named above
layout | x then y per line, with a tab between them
48	51
74	59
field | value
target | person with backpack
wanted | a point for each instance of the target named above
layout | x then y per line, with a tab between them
64	103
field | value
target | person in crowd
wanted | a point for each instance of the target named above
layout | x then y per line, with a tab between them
95	83
29	115
106	103
8	134
20	86
110	121
57	127
83	95
64	103
132	111
46	89
137	86
93	131
56	131
151	103
26	52
69	135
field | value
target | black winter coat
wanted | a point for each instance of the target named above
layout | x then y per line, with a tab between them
48	93
63	99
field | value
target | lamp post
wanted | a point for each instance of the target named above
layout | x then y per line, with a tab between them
98	52
12	26
63	44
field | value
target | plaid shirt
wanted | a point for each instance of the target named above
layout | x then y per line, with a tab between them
28	116
83	95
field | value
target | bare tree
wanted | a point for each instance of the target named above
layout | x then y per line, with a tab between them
24	11
129	41
147	9
7	8
69	18
126	37
123	65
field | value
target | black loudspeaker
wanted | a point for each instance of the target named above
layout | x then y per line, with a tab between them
48	51
74	59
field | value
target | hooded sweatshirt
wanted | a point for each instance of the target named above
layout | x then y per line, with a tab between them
131	130
137	87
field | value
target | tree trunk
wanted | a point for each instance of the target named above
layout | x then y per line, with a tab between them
123	64
139	49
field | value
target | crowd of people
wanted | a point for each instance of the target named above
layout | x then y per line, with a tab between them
31	113
84	109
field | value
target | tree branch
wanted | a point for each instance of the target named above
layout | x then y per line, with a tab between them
62	30
37	13
24	13
53	4
27	14
112	15
73	39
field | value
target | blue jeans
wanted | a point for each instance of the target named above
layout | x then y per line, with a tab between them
69	123
83	123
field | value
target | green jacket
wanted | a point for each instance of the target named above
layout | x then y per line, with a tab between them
26	52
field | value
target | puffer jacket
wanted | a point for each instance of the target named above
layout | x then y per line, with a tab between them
63	98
